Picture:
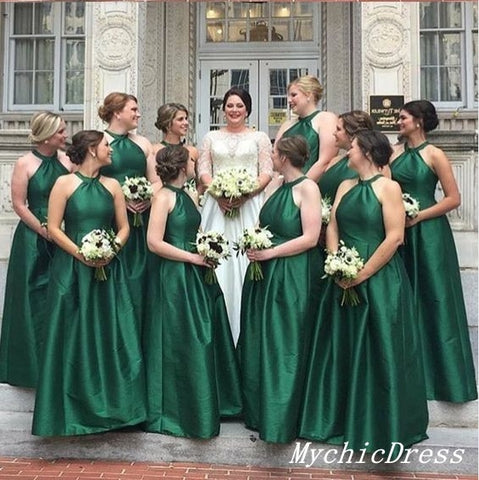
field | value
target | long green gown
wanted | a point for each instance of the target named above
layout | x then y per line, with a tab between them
128	160
365	382
430	257
277	316
333	176
92	377
191	368
305	128
27	281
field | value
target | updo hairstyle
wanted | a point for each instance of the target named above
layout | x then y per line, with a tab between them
240	92
170	160
166	115
44	125
81	142
356	120
376	145
424	111
295	149
114	102
309	85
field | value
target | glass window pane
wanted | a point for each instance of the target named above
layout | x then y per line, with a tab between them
74	21
451	84
75	81
474	15
302	9
474	63
303	30
22	88
215	10
215	32
24	50
43	88
278	81
428	47
280	30
75	55
259	32
281	10
237	31
450	49
428	14
23	19
429	84
257	10
43	18
240	78
45	54
237	9
450	15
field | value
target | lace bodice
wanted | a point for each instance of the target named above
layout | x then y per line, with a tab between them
222	150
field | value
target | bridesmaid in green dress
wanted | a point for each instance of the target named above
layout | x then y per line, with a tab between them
92	377
132	157
278	312
316	126
30	256
431	259
191	368
365	385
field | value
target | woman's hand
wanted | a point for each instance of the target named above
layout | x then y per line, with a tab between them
351	282
44	233
197	259
260	255
138	207
95	263
410	222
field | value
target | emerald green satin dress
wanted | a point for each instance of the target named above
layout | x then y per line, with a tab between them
191	367
431	261
277	316
333	176
365	382
92	375
305	128
27	281
129	160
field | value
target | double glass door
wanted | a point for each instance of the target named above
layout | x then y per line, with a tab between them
265	80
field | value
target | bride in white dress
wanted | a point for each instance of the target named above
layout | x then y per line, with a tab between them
234	146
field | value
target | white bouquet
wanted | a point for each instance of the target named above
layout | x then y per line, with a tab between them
411	205
256	238
344	264
213	246
137	189
232	183
99	245
326	207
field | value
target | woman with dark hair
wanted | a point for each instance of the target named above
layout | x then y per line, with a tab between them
191	370
278	312
234	146
132	157
430	257
316	126
30	256
348	125
365	385
92	377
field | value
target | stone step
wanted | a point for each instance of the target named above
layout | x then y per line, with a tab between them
448	450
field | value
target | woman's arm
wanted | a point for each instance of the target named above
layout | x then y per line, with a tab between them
326	126
308	200
162	204
390	196
204	165
19	190
332	232
121	218
439	162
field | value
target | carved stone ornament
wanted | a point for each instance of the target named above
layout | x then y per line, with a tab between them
115	46
385	42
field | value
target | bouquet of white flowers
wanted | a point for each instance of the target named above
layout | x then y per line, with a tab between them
326	207
344	264
214	247
256	238
411	205
232	183
137	189
99	245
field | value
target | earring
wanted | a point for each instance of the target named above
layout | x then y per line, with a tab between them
418	125
93	155
46	142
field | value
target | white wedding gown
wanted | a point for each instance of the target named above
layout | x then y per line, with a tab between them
222	150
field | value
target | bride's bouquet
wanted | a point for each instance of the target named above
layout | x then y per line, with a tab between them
137	189
213	246
99	245
411	205
232	183
344	264
256	238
